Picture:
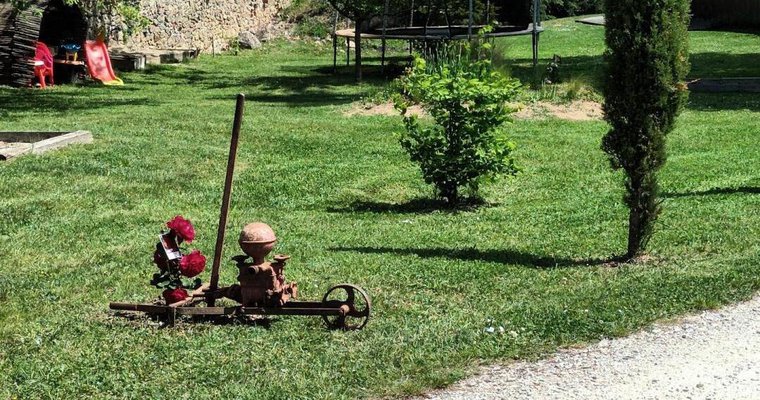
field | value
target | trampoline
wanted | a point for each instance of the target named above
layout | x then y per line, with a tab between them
435	21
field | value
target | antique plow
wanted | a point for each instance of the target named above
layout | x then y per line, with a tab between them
344	306
261	288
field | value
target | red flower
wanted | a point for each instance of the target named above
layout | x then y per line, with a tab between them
174	295
182	228
192	264
159	260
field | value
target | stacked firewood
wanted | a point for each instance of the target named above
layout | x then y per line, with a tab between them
19	31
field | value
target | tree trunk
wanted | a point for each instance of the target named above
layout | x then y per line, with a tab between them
634	233
642	201
450	192
358	48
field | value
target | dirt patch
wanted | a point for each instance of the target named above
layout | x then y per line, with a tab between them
581	110
365	110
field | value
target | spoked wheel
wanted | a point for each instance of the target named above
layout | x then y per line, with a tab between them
353	301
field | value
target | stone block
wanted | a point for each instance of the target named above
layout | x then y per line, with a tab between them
248	40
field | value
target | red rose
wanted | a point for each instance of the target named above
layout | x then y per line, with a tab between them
174	295
159	260
182	228
192	264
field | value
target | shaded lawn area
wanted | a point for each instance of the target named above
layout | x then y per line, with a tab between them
713	54
78	226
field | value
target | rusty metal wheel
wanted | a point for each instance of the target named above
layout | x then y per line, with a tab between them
357	308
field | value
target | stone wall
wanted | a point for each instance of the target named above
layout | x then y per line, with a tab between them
203	24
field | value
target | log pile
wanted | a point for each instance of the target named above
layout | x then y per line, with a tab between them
6	37
19	32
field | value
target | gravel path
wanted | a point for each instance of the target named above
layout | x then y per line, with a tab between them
711	355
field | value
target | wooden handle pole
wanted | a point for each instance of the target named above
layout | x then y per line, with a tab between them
214	285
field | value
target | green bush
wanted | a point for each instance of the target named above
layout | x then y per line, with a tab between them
313	18
467	99
647	63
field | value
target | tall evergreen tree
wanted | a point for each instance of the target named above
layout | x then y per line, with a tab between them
647	62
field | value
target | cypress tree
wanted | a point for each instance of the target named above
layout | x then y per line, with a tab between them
647	62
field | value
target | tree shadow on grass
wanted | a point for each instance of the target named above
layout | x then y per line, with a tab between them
589	70
191	76
724	65
297	86
494	256
14	101
311	86
306	98
715	191
723	101
416	206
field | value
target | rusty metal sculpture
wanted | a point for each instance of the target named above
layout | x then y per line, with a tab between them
261	282
261	288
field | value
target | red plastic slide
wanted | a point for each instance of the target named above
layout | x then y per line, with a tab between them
99	63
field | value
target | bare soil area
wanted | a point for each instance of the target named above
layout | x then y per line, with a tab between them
580	110
362	109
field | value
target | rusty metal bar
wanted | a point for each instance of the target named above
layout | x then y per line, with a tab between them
290	311
147	308
208	310
311	304
214	284
158	309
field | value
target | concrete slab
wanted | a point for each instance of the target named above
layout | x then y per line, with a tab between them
14	144
127	59
597	20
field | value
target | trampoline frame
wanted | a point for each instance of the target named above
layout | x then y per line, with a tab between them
534	29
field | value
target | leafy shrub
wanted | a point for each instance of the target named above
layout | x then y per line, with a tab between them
468	101
647	63
313	18
133	20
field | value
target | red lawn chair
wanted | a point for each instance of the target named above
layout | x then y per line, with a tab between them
43	64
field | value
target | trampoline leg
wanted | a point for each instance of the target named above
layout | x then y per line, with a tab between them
335	53
535	49
348	52
382	57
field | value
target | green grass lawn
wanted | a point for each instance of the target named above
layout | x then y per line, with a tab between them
713	54
78	227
